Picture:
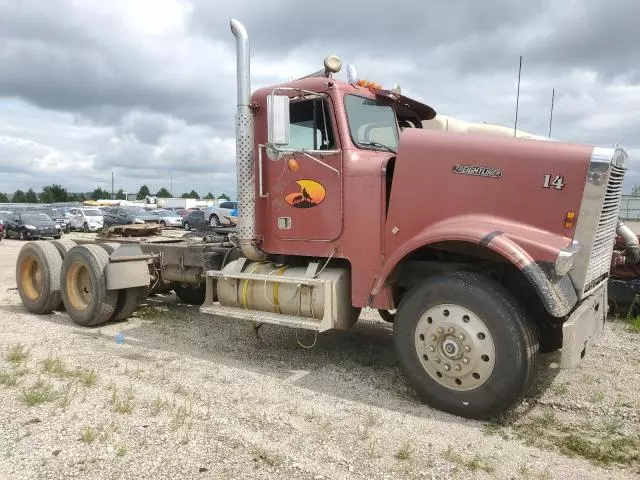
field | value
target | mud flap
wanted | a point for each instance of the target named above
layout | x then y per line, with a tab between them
583	327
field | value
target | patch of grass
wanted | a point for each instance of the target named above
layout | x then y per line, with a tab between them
69	391
40	392
17	354
601	444
10	378
88	434
122	403
478	463
89	378
57	368
146	311
634	324
473	464
598	397
121	451
158	405
179	416
405	452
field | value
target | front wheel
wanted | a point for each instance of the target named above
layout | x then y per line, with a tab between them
187	227
162	224
23	235
85	228
214	221
465	345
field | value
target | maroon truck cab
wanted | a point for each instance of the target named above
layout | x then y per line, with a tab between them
481	250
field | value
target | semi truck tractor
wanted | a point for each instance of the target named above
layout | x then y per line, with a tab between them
482	250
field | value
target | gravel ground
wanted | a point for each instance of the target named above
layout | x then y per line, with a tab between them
194	396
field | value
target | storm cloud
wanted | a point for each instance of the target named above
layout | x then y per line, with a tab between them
146	89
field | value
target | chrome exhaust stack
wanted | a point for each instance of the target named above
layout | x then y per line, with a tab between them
245	170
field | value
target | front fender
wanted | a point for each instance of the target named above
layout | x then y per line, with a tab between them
523	246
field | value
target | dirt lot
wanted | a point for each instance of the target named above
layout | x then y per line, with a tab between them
194	396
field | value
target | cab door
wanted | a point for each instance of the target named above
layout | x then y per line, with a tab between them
305	189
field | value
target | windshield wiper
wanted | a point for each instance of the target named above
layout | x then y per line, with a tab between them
379	145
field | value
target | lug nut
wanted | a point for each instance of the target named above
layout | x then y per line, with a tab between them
433	338
431	349
450	330
467	348
440	330
461	337
465	360
447	367
457	368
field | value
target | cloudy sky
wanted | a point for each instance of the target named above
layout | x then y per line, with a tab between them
146	88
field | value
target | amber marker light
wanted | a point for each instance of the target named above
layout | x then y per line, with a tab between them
293	165
569	220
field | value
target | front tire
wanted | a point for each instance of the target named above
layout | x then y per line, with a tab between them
214	221
187	227
85	228
465	344
162	224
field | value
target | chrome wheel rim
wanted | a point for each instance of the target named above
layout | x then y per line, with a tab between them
455	347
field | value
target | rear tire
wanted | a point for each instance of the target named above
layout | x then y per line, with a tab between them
162	224
187	227
84	286
23	235
191	293
214	221
38	277
128	301
465	345
63	246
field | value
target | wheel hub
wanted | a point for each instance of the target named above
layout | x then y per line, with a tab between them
455	347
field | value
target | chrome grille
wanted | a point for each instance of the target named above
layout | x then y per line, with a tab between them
600	258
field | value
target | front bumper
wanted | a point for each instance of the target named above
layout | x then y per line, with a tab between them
583	327
94	227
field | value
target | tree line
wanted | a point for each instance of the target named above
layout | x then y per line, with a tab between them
57	194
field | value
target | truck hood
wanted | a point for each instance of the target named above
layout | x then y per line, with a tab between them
442	175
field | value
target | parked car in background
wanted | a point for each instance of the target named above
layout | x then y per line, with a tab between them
167	218
4	216
219	214
57	215
186	211
127	216
1	231
31	226
85	219
194	220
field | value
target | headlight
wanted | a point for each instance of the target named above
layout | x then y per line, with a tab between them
138	220
30	227
57	226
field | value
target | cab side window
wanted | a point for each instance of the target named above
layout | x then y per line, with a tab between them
311	127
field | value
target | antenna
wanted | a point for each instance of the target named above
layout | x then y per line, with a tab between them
553	97
515	125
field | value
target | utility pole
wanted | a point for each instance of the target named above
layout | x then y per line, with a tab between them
553	97
515	125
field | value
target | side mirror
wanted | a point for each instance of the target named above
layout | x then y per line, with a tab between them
278	121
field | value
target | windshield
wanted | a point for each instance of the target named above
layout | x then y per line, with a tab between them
370	123
92	212
35	217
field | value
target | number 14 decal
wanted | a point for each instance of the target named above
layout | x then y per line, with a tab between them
557	182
